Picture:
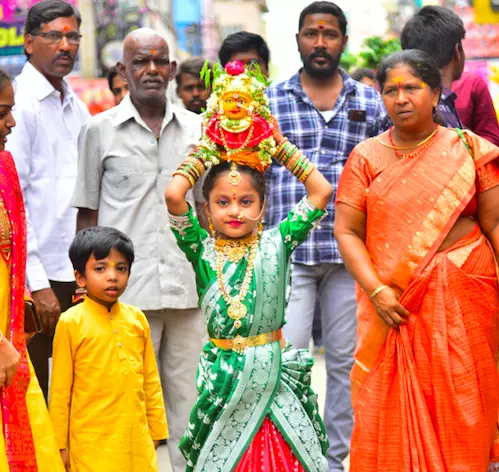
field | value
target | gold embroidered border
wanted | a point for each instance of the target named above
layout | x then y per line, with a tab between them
460	255
445	206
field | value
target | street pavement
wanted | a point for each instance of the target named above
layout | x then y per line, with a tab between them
319	386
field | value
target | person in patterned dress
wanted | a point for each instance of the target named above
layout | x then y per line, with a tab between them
255	409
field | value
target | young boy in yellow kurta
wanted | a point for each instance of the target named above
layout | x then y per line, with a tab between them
106	402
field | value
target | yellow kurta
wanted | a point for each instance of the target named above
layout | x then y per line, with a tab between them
47	453
106	402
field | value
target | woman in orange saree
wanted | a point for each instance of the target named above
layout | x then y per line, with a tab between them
27	443
417	223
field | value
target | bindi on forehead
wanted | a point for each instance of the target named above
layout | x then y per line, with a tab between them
66	28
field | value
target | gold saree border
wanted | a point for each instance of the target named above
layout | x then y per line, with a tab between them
438	223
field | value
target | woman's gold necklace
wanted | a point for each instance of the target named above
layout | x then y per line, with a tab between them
236	309
427	140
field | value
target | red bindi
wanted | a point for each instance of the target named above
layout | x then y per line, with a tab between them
66	28
153	52
321	27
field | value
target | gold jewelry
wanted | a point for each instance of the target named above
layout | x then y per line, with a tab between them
211	226
234	176
236	309
402	148
377	291
244	145
234	249
191	168
239	344
260	215
235	126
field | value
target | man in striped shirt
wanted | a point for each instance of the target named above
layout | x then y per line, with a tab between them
325	113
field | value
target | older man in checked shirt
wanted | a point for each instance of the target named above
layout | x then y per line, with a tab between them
325	113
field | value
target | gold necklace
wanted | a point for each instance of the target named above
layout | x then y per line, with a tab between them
234	249
401	148
244	145
236	309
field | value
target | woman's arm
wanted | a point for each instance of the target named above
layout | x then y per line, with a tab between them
488	216
350	233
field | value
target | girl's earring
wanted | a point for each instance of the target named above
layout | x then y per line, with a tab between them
260	228
212	227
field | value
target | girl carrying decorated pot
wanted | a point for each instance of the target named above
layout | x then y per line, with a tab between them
255	409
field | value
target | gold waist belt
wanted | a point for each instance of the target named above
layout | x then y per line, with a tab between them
239	344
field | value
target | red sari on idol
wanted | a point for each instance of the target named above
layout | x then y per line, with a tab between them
425	396
26	443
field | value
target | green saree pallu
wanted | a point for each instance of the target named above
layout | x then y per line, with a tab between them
236	391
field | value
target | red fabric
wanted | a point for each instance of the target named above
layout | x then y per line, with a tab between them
19	444
269	452
475	107
261	131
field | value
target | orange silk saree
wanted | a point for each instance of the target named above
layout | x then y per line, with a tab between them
425	396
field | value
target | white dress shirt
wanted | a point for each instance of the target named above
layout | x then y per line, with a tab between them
44	147
123	172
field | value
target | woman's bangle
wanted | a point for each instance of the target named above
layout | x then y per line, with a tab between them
377	291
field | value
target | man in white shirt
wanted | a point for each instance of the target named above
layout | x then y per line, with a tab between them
127	156
44	146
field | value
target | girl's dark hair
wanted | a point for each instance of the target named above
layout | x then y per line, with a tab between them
99	240
216	171
422	65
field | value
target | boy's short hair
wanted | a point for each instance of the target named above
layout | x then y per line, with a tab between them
243	41
191	66
99	240
435	30
359	74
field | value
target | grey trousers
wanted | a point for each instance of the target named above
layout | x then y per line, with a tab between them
334	287
178	337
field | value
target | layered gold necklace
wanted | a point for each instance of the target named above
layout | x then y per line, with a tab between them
234	251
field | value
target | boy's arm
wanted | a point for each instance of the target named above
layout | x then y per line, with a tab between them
156	414
61	383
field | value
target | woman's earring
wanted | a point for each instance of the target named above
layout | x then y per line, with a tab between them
260	228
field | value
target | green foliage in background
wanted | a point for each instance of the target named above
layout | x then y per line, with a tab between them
348	61
374	50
